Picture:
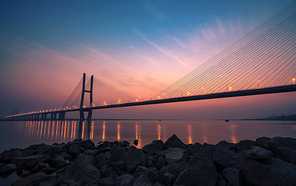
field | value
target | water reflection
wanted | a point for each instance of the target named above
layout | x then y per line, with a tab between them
32	132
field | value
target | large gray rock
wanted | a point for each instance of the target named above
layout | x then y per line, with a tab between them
74	149
87	144
176	155
81	169
263	142
232	176
268	172
143	180
225	157
175	168
125	180
29	161
101	160
284	148
200	170
174	141
8	168
160	162
156	145
246	145
133	158
11	154
150	162
257	153
194	148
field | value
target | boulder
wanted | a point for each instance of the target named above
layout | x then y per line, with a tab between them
11	154
117	153
49	149
200	170
175	168
81	169
74	149
143	180
194	148
87	144
174	141
176	155
257	153
263	142
153	174
160	162
140	170
106	170
91	152
125	180
246	145
284	148
221	182
232	176
167	178
8	168
156	145
133	158
29	161
150	162
106	182
58	161
268	172
34	179
224	157
101	160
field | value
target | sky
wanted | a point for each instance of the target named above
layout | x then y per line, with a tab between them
140	47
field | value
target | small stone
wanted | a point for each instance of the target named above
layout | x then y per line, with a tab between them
143	180
125	180
105	171
106	182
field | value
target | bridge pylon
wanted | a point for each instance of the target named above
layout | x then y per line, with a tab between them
90	91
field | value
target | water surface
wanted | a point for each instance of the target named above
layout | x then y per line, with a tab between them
21	134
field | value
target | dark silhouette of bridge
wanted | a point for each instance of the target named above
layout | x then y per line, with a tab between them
261	62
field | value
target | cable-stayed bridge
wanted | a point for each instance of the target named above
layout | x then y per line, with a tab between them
261	62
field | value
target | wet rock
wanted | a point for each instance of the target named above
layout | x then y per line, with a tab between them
263	142
156	145
257	153
194	148
8	168
74	149
246	145
29	161
11	154
106	182
284	148
143	180
81	169
200	170
160	162
105	171
167	178
268	172
232	176
224	157
174	141
133	158
125	180
176	155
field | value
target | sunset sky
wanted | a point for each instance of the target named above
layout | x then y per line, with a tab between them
140	47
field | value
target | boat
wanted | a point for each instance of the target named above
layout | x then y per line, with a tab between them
227	120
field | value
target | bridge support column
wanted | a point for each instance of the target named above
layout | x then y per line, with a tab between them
81	111
62	115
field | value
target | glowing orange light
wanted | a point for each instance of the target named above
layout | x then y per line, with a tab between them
137	100
189	134
293	81
119	101
118	130
188	94
104	131
230	88
158	97
105	103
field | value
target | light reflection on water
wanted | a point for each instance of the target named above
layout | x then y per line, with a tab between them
24	133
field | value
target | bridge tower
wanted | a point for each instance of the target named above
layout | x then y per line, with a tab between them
90	91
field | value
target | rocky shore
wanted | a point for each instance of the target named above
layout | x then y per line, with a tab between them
266	161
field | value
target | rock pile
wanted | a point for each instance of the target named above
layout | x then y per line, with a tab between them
266	161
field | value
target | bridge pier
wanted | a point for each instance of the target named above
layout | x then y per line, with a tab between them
81	111
62	115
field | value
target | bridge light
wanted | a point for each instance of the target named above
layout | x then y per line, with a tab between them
201	90
158	97
188	93
137	100
119	101
105	103
163	94
293	81
66	107
84	106
230	88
